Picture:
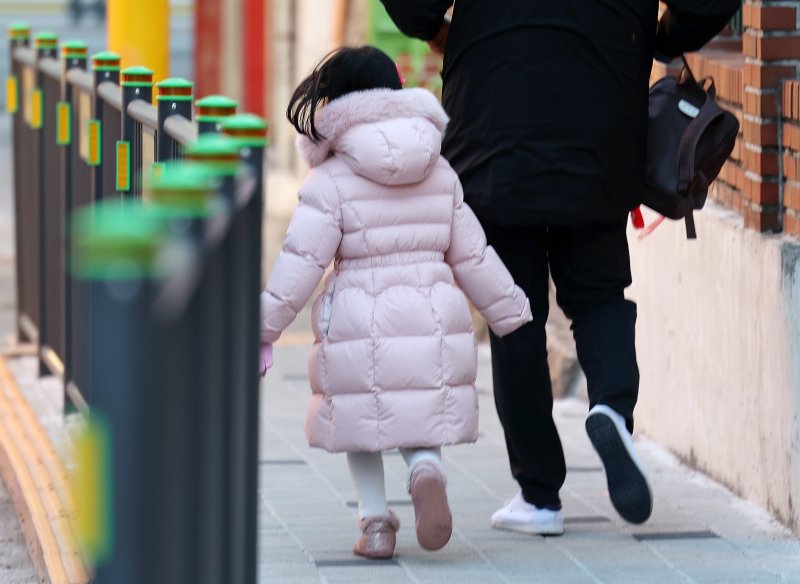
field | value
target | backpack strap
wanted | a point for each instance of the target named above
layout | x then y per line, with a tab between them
691	137
691	232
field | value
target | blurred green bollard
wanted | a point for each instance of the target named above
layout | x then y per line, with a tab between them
250	133
46	44
115	250
221	155
186	194
213	110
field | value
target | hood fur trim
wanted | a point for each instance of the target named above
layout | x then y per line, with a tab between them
364	107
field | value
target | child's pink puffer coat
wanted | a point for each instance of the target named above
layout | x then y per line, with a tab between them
394	360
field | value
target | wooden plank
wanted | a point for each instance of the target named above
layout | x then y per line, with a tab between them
51	477
39	488
19	350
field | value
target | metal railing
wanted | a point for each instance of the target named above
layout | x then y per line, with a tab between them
67	155
175	376
166	355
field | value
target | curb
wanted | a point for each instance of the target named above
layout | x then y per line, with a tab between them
39	487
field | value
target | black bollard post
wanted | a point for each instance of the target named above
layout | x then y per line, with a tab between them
250	134
137	83
174	98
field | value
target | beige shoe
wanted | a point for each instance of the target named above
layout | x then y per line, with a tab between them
377	537
426	484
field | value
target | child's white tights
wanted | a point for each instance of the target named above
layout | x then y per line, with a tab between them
366	468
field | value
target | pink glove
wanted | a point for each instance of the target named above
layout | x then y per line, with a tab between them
265	358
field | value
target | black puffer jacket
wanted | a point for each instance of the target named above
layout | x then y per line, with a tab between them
548	98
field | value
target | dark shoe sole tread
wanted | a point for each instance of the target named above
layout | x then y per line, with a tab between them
627	486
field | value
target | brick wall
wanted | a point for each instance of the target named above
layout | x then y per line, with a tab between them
791	156
771	47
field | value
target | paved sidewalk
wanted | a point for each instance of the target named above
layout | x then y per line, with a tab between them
699	531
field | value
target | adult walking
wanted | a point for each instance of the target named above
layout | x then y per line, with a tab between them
548	105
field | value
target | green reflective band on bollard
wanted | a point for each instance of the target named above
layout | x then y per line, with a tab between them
106	61
45	41
137	77
220	153
215	108
247	130
74	50
63	123
37	109
183	190
175	89
116	239
95	143
123	177
19	31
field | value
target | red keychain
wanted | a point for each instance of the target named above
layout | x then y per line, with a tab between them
637	219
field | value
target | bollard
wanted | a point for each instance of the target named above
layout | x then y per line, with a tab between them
106	67
250	133
46	45
18	36
74	55
137	83
212	110
184	195
174	98
221	155
118	516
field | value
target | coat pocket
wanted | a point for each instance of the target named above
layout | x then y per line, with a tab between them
321	311
327	307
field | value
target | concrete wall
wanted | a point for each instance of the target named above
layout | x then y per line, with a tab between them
302	33
718	340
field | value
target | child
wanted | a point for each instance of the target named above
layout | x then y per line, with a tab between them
394	361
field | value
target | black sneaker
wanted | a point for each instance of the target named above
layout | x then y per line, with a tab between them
627	484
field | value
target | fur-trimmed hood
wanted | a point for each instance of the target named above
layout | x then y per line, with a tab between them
389	136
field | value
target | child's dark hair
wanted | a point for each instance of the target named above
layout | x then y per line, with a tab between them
342	71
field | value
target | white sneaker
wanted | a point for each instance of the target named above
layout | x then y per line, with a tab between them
520	516
627	483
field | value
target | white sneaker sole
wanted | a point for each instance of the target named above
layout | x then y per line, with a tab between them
627	484
529	528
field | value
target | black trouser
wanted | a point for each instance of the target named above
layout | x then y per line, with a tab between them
591	268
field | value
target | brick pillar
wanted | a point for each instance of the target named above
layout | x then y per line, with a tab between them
771	46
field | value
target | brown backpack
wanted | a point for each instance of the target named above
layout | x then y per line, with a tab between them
689	139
